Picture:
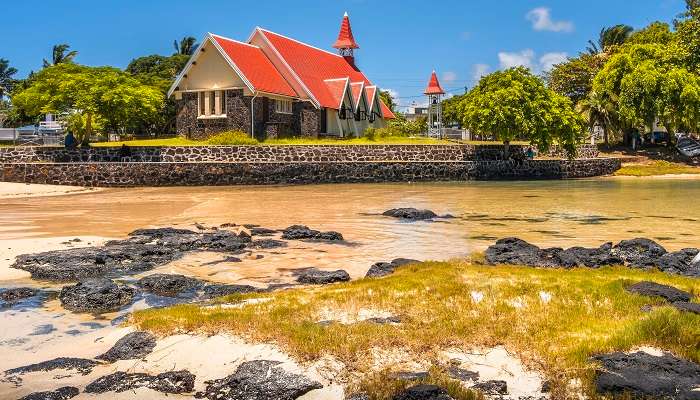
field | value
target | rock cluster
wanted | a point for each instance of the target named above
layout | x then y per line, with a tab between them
144	250
96	295
494	387
647	376
423	392
299	232
132	346
174	382
679	299
315	276
169	285
635	253
17	294
260	380
381	269
411	214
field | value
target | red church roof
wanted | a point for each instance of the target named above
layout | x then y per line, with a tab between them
434	85
345	38
255	67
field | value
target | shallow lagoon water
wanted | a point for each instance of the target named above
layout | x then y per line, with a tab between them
547	213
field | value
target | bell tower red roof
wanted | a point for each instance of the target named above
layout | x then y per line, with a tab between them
434	85
345	38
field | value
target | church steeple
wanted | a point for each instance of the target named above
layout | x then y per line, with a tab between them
346	43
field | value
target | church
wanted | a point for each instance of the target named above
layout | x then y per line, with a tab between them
273	86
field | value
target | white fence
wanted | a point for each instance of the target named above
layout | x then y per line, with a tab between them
8	134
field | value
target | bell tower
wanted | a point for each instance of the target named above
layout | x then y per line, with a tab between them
434	92
346	44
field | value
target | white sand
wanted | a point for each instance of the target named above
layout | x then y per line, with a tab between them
18	190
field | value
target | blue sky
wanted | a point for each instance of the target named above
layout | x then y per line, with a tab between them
401	41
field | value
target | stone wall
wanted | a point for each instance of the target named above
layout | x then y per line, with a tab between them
211	174
339	153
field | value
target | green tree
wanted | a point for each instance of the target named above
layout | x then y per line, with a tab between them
609	38
688	34
515	104
98	94
388	100
7	80
599	110
657	32
186	46
60	54
574	77
450	110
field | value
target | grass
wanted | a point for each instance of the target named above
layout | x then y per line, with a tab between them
589	313
656	168
180	141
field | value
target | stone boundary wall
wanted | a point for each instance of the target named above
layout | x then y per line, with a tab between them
214	174
272	154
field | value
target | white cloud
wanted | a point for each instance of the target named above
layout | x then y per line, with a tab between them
541	19
449	77
393	93
480	70
549	60
523	58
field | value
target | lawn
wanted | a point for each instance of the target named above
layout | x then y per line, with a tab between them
586	311
179	141
656	168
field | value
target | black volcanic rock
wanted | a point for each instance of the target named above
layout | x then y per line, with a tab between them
169	285
519	252
423	392
220	290
64	393
381	269
644	375
316	276
174	382
81	365
669	293
588	257
687	307
96	296
411	214
132	346
17	294
259	380
492	387
639	252
680	263
299	232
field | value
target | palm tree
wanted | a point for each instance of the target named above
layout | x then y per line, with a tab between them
186	46
59	55
599	110
6	77
608	37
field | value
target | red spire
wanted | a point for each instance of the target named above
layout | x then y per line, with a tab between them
345	38
434	85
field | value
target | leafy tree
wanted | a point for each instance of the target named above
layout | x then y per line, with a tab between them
574	77
656	32
609	38
385	96
515	104
688	34
158	71
450	110
60	54
599	110
98	94
186	46
7	81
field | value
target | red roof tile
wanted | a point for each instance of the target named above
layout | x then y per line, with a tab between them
434	85
255	67
336	89
345	38
357	89
314	66
386	112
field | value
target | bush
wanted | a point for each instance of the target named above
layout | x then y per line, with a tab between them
231	138
371	134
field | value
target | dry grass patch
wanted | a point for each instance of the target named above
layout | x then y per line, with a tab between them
656	168
554	320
